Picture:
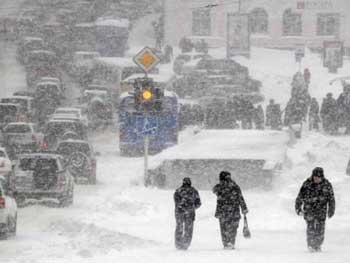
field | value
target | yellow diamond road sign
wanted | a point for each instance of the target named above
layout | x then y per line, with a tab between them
146	59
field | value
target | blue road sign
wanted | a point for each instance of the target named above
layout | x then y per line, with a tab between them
147	125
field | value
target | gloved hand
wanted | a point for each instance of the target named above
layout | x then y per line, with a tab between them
330	214
244	212
299	212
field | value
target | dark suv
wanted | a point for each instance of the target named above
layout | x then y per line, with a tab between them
58	130
42	177
80	159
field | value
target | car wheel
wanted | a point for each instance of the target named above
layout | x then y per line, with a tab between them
14	226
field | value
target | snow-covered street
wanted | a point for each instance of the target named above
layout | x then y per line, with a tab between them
120	220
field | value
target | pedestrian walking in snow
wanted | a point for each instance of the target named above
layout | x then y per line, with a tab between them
230	204
307	77
187	200
314	117
273	115
315	202
329	112
259	118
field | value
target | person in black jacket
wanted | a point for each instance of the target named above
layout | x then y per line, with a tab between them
315	201
229	202
187	200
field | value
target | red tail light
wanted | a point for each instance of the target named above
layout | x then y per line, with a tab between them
44	145
2	203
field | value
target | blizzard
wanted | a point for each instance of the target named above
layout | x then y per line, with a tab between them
121	220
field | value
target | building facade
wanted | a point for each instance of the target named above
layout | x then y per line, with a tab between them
273	23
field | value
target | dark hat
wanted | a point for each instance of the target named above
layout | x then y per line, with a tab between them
186	181
318	171
224	175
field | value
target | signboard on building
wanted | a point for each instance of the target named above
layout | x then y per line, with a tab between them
238	35
314	5
333	55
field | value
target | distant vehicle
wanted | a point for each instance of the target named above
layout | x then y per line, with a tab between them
5	164
112	36
8	113
219	78
84	37
42	177
57	81
28	44
80	159
22	136
77	112
8	210
41	63
26	107
131	139
57	130
254	158
83	62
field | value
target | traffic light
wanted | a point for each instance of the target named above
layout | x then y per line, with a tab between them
147	96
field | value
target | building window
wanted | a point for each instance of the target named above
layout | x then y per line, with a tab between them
327	24
201	22
292	24
258	21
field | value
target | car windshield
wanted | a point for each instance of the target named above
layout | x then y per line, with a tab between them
67	148
59	128
22	102
7	110
17	128
36	163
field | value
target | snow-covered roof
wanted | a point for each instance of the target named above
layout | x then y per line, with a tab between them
116	61
112	22
229	144
158	78
47	82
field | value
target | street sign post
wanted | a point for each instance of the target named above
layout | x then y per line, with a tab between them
146	59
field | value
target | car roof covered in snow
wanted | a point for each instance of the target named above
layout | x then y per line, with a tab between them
20	97
74	141
229	144
122	22
68	109
115	61
157	78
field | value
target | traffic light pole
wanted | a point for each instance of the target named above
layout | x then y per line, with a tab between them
146	144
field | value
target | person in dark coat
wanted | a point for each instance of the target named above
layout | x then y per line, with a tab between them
307	77
329	114
187	200
230	204
259	118
314	117
315	201
273	115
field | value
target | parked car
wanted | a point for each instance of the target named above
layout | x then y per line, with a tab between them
77	112
80	159
8	113
25	103
8	210
57	130
42	177
26	45
22	137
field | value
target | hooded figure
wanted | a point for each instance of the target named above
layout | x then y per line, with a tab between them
187	200
230	203
315	201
